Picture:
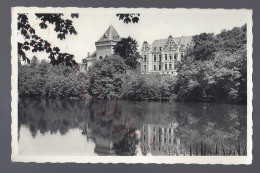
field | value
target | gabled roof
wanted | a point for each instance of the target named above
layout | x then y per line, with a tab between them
179	40
110	34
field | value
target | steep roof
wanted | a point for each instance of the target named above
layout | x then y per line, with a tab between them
159	43
110	34
179	40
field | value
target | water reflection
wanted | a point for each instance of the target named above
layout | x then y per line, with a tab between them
132	128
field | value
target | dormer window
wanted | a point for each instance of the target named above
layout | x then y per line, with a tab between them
105	36
145	46
116	37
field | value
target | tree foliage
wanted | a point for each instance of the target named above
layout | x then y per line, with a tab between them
127	49
148	87
42	79
128	145
128	18
204	47
37	44
107	75
215	70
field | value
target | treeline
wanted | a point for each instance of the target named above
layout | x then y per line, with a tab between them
108	79
216	69
42	79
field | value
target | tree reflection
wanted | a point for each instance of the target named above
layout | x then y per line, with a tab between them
127	145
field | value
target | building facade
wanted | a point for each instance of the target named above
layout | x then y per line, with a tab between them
163	55
104	47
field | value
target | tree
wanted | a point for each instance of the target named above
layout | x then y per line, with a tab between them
107	76
232	40
204	46
36	44
214	71
127	49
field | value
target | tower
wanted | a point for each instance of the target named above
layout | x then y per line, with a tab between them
104	46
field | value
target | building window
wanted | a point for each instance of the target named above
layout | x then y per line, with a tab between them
170	130
154	67
144	67
160	58
165	66
160	68
160	139
170	140
144	58
175	56
170	66
165	57
165	140
174	65
182	54
165	130
170	56
154	58
154	129
174	141
154	139
100	57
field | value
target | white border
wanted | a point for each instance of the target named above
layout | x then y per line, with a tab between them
227	160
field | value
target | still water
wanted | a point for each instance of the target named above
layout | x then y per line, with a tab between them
78	127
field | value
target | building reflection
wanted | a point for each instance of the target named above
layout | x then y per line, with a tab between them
154	139
104	145
160	139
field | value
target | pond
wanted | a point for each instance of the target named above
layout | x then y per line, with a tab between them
79	127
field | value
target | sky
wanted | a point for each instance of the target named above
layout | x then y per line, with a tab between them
153	24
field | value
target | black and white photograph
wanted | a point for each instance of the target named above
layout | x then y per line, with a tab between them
94	85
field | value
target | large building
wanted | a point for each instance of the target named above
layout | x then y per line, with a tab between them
162	56
104	46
